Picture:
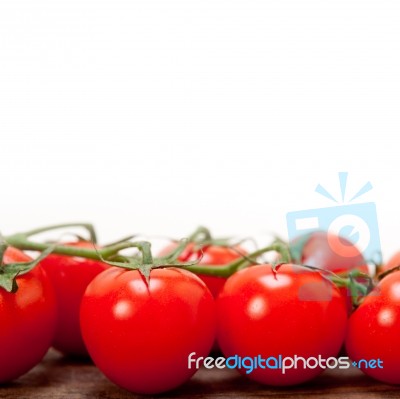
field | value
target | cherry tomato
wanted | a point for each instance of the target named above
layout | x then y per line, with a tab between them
70	277
291	312
27	319
374	331
140	336
330	252
393	262
208	255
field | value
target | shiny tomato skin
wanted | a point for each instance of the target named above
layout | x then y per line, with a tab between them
70	276
140	336
209	255
331	252
374	330
27	320
295	312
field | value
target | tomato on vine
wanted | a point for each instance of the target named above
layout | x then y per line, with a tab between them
27	314
70	267
284	312
139	334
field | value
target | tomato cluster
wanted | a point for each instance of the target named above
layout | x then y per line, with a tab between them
140	324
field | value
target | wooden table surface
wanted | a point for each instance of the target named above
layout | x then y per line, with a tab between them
57	377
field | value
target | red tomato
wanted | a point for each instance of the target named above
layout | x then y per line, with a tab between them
70	276
140	336
374	330
393	262
27	319
293	312
210	255
331	252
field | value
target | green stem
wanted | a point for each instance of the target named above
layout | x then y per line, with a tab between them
358	289
199	237
230	268
22	242
201	231
145	249
88	226
211	270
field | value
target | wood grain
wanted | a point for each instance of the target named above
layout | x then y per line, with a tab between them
57	377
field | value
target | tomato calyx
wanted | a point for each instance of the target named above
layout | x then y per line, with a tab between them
146	263
10	271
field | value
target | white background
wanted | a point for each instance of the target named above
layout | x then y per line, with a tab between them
156	116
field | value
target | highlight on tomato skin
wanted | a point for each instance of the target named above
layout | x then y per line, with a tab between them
291	312
208	255
374	330
70	276
27	319
140	335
